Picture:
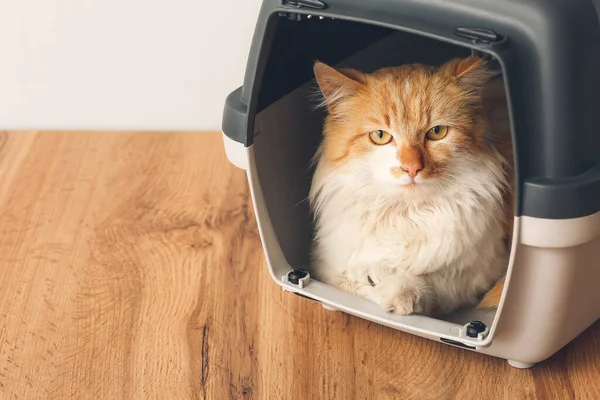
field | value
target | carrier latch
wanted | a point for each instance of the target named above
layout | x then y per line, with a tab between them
475	330
479	35
298	277
314	4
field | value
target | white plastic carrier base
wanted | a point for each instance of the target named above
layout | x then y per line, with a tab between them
551	293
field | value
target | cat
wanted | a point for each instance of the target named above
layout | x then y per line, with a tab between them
411	190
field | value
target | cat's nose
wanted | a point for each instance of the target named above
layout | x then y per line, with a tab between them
412	168
411	159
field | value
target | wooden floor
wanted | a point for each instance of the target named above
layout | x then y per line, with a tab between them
131	268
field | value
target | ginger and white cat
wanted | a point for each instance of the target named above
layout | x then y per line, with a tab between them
410	192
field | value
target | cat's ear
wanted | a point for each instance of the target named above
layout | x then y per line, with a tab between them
471	71
336	84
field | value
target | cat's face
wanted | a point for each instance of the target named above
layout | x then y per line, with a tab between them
411	129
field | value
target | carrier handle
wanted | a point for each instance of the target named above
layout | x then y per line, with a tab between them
235	117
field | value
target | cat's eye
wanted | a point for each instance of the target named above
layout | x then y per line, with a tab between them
438	132
380	137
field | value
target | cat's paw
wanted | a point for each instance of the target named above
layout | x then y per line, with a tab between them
338	279
397	296
401	303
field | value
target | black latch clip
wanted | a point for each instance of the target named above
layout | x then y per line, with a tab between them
479	35
314	4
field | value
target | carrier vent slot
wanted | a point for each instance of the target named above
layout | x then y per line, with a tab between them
459	344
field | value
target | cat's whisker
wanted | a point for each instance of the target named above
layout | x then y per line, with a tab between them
300	202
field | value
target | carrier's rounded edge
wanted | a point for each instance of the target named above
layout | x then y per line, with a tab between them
278	266
276	262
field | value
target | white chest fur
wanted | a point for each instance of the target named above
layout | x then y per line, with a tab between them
454	241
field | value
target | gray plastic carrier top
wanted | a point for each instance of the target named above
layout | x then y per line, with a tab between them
549	52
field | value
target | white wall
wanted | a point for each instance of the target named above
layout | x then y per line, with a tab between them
121	64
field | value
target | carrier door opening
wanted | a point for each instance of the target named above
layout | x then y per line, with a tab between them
289	128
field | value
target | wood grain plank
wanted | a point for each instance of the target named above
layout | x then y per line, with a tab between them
131	268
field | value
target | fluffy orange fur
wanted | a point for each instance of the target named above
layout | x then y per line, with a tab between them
493	296
360	103
428	88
